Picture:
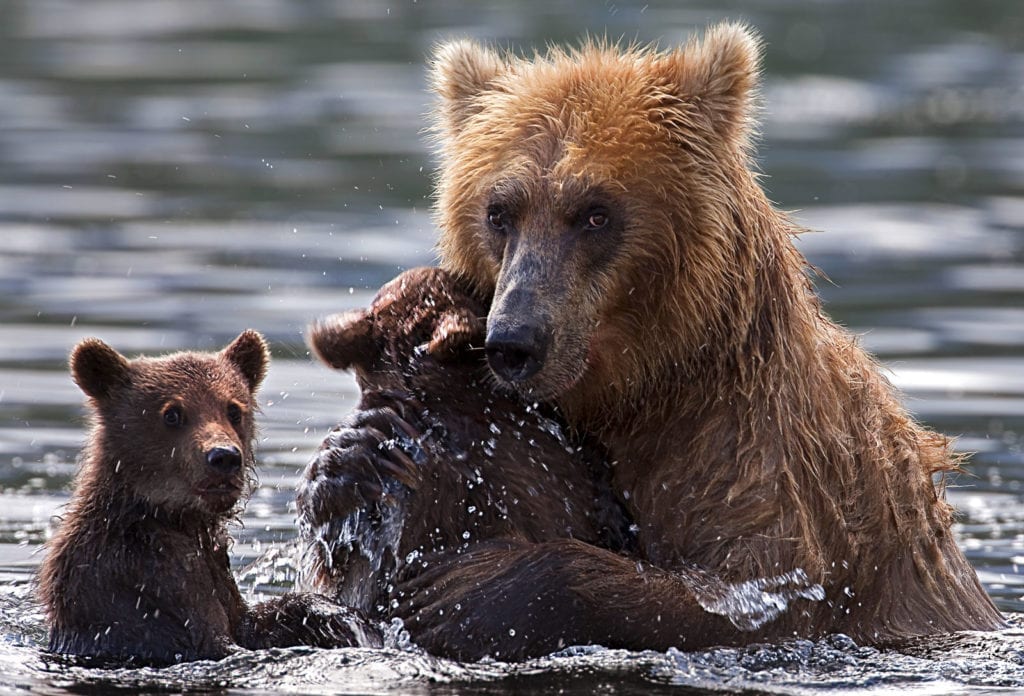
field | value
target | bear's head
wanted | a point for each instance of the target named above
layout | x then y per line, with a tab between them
420	318
601	196
176	431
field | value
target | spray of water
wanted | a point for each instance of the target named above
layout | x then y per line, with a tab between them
750	605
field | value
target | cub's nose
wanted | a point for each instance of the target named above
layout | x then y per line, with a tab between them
225	460
517	352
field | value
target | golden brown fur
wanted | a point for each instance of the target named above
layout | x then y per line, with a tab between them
752	435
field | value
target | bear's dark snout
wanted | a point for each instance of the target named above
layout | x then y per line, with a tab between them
225	460
516	352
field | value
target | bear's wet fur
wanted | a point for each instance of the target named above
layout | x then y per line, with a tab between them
456	468
138	569
460	509
603	199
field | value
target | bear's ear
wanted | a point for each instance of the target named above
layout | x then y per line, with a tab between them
455	328
719	75
344	340
250	354
460	72
98	369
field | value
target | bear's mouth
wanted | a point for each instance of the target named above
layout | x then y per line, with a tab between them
551	383
219	493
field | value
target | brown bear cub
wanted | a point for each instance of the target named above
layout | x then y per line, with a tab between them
603	199
138	569
463	510
457	468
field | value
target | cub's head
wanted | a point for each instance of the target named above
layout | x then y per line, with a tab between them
176	431
594	192
421	317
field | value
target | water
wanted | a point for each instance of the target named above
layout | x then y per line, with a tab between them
176	171
752	604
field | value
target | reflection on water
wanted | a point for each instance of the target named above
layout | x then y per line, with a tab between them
178	170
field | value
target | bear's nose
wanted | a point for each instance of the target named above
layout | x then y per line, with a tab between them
225	460
516	353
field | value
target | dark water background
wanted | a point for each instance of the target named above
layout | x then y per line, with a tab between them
173	171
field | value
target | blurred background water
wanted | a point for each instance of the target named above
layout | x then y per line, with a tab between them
174	171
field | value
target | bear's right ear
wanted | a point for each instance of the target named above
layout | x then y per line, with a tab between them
719	75
344	340
98	369
460	72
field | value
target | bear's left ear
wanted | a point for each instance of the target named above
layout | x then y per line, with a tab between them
719	75
98	369
460	72
250	354
344	340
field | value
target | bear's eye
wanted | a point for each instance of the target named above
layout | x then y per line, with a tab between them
497	219
173	416
234	414
596	220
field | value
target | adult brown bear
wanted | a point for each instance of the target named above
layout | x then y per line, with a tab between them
641	280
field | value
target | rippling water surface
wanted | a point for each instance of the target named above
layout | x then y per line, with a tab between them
175	171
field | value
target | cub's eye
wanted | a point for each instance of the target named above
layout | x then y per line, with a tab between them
174	416
234	414
596	220
497	219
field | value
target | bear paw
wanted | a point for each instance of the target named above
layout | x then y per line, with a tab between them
351	503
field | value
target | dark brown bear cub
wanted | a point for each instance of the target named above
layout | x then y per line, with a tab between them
139	568
490	472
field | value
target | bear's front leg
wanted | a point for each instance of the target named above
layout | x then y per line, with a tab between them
351	505
513	600
305	619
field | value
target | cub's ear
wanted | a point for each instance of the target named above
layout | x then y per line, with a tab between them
344	340
460	72
719	75
455	329
98	369
250	354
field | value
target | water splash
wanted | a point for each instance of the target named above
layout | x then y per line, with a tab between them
962	662
750	605
275	566
361	548
372	533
